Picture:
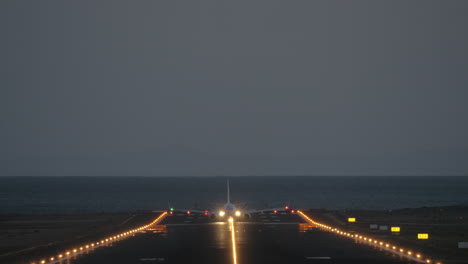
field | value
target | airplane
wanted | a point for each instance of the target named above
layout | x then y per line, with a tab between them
231	210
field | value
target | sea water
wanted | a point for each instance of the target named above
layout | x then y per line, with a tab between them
44	195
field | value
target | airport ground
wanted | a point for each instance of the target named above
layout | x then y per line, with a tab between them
27	237
446	226
264	238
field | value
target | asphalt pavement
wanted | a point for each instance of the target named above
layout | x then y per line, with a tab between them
267	237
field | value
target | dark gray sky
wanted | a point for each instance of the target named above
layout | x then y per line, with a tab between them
234	87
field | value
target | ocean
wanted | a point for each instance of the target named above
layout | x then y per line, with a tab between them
46	195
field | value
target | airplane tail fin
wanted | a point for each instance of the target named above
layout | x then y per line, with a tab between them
228	196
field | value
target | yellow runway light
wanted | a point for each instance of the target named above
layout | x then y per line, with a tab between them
423	236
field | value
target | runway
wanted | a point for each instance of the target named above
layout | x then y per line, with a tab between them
264	238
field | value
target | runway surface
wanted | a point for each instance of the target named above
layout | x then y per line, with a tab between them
264	238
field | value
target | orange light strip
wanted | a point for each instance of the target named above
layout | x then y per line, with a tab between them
381	244
73	252
233	239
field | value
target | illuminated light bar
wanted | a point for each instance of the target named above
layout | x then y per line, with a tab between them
77	251
351	219
379	244
423	236
395	229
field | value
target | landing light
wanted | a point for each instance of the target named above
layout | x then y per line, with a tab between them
222	213
238	213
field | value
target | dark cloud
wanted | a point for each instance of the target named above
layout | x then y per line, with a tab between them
234	88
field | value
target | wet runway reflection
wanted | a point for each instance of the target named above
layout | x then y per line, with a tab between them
198	240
